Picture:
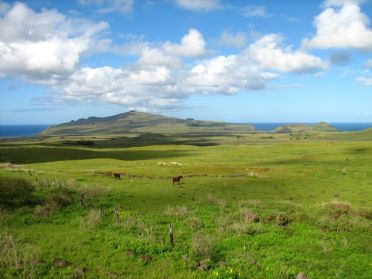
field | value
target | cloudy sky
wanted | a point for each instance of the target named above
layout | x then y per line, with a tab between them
240	61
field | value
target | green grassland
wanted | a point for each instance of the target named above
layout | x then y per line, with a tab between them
251	205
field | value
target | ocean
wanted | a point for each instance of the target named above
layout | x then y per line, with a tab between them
21	130
31	130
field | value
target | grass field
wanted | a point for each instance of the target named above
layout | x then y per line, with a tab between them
255	206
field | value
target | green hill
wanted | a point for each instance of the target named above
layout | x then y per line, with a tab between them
141	122
293	128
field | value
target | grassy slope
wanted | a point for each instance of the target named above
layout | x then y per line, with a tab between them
140	122
294	178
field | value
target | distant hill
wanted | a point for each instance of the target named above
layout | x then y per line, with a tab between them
140	123
294	128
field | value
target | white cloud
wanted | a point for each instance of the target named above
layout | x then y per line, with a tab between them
254	11
341	25
160	79
369	63
39	45
367	81
199	5
110	6
268	53
46	48
228	39
192	44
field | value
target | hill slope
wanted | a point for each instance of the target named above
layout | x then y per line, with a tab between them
141	122
292	128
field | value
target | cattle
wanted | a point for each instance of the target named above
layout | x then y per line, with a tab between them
177	179
116	175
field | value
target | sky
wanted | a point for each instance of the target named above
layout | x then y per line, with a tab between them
236	61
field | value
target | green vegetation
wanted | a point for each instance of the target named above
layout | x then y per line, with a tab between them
133	122
251	205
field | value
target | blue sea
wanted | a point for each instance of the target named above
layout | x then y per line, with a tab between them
31	130
21	130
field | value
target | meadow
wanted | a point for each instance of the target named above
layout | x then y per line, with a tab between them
257	205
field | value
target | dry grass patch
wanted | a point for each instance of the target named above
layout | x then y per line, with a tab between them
337	208
247	216
202	244
216	201
177	211
92	219
195	223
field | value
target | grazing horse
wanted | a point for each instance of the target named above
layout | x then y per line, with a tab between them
177	179
109	174
117	175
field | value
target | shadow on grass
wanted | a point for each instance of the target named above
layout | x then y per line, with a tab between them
43	154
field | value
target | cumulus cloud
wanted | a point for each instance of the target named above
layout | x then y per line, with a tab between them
192	44
40	45
46	48
269	53
110	6
254	11
341	25
228	39
160	79
199	5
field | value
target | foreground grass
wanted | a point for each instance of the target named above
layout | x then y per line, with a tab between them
262	210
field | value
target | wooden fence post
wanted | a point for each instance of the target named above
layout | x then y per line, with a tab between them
117	214
83	201
171	236
101	211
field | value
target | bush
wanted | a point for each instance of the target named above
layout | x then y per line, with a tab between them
15	192
55	200
21	259
92	219
337	209
202	244
195	223
247	216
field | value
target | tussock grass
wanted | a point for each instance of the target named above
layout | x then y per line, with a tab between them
176	211
202	244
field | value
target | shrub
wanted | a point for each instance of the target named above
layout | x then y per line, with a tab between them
195	223
61	196
247	216
15	192
202	244
282	220
55	200
92	219
336	209
21	259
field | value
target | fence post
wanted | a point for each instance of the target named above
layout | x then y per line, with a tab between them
117	214
171	236
83	201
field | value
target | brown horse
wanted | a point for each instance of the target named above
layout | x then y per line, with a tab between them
177	179
109	174
117	175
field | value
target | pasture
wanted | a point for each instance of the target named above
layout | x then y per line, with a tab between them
254	206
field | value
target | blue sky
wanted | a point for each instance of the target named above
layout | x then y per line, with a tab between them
237	61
